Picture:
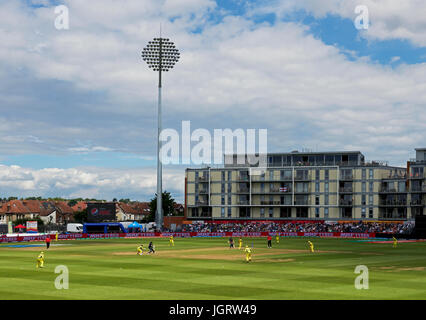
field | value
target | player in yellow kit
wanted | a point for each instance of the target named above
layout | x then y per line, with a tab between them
277	237
247	250
240	243
395	242
171	241
311	246
40	260
140	250
56	236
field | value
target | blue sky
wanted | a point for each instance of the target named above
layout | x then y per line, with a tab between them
82	98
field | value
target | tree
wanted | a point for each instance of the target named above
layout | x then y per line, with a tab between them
80	216
167	204
72	203
124	200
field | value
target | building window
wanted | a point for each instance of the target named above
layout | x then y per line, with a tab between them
326	199
362	212
317	200
262	212
229	187
371	187
262	187
327	174
271	174
222	212
223	188
370	213
317	185
363	187
325	212
316	212
223	200
326	187
223	175
363	200
317	174
229	200
285	212
371	176
370	199
271	212
229	212
364	174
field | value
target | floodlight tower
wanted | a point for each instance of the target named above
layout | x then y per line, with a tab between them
161	55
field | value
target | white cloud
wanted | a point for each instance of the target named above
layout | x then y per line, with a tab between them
389	19
137	184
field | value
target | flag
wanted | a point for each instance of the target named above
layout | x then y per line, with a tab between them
283	189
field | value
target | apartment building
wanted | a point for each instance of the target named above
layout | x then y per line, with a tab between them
308	185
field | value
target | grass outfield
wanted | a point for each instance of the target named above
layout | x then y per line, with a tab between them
205	268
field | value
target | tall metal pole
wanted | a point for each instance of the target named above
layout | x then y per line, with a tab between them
160	55
159	213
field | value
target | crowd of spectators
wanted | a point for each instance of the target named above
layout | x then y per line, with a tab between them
361	227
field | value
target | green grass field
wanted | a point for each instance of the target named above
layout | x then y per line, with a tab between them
203	268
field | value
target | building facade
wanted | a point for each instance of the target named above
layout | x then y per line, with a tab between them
308	185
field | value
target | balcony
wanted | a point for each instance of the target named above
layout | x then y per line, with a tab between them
391	190
417	203
299	191
269	203
203	179
203	191
346	177
418	175
343	202
243	190
243	202
302	177
393	203
243	178
346	190
301	202
419	189
202	203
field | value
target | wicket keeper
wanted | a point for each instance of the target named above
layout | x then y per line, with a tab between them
248	253
311	246
40	260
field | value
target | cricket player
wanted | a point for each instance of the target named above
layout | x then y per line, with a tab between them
140	250
395	242
240	243
311	246
269	241
231	243
40	260
47	242
151	248
171	241
248	253
56	236
277	238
